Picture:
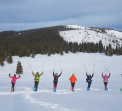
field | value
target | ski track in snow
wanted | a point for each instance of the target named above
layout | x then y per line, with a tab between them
56	107
27	94
64	91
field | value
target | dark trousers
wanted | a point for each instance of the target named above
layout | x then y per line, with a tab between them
89	84
73	84
13	84
55	83
36	85
105	83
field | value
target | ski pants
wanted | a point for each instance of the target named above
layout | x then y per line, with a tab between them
55	83
105	83
73	84
13	84
36	85
89	84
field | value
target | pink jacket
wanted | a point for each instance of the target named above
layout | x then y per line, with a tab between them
14	79
105	79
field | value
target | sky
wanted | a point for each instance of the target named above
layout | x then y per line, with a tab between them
29	14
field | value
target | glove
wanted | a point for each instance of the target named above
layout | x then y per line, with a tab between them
19	76
9	74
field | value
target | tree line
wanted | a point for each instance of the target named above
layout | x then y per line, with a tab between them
45	41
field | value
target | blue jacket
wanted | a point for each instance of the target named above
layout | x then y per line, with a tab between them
89	79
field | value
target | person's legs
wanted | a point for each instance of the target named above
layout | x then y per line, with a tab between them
105	83
72	86
13	84
89	84
55	84
36	85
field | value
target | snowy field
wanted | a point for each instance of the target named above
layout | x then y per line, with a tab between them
97	99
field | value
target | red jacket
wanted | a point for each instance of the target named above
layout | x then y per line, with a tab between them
73	78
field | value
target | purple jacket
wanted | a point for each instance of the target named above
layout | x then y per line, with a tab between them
105	79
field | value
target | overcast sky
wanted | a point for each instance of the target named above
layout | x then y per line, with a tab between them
29	14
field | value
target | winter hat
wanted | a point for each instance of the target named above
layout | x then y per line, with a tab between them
37	73
73	74
14	74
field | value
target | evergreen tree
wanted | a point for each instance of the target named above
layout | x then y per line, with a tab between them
33	55
9	59
27	52
106	51
110	51
96	47
100	47
19	69
2	63
49	51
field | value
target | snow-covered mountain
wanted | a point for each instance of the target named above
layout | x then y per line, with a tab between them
82	34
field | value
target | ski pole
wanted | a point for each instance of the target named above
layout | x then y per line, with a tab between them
106	68
29	66
13	70
54	66
60	66
94	68
84	67
75	74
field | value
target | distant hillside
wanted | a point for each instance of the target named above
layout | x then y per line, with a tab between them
58	39
94	35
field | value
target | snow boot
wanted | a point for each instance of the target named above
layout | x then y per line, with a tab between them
12	89
72	89
105	87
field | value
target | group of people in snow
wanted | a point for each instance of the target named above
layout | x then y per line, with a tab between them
72	79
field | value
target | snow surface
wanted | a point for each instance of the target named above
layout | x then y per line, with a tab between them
97	99
81	34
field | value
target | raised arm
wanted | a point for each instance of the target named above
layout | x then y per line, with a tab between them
33	74
40	74
10	76
17	77
86	74
102	75
60	74
109	75
53	73
92	75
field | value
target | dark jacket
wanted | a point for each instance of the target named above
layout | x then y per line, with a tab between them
89	79
56	77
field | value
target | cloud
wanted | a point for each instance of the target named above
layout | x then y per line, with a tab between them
36	13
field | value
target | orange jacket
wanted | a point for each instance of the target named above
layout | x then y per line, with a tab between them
73	78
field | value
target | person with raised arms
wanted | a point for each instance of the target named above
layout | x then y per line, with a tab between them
55	81
13	81
89	80
105	80
37	76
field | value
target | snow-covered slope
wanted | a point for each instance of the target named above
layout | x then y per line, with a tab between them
82	34
97	99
